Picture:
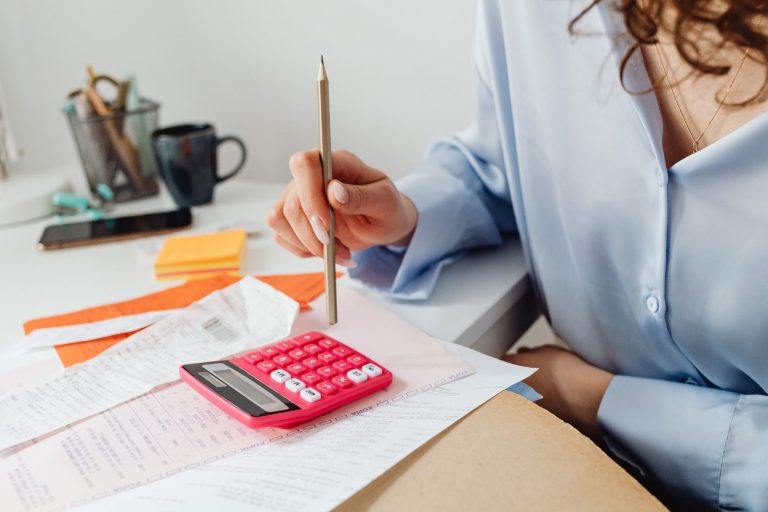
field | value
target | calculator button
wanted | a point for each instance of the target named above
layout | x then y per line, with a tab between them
286	346
327	357
343	351
326	343
371	370
253	358
326	371
341	381
266	366
357	360
294	385
342	366
308	337
297	354
311	378
296	368
309	395
269	352
357	376
282	360
280	375
326	388
312	362
313	348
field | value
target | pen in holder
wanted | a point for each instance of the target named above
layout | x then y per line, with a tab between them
115	146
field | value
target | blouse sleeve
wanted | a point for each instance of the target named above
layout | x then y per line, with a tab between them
461	192
702	442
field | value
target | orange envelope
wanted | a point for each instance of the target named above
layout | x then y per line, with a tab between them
303	288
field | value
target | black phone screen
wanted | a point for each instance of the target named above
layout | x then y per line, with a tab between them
83	233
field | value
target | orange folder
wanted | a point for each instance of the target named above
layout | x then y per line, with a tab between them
303	288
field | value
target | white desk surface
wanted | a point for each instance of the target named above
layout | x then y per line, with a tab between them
472	296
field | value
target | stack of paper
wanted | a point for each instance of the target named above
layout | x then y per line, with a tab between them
66	443
246	314
320	467
198	256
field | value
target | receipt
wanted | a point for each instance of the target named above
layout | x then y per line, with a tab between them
212	328
50	336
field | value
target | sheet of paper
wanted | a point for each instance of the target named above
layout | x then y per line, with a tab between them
173	428
211	328
174	297
18	365
319	469
50	336
19	369
301	287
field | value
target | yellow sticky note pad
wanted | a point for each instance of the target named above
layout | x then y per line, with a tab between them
198	256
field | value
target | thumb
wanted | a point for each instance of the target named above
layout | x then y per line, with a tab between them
372	199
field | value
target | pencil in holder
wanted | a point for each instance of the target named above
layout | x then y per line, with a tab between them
116	149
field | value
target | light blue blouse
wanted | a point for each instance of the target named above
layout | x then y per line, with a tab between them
657	275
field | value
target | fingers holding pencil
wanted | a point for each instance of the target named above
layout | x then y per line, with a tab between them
369	210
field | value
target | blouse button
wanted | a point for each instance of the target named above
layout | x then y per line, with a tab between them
652	303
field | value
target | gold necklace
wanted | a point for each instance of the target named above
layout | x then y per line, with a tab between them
695	141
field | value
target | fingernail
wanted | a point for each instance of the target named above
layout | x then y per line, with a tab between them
344	262
339	192
319	229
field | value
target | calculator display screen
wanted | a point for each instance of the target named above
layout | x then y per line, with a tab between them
239	388
249	388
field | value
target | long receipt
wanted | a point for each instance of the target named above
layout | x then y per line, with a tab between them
50	336
245	314
173	429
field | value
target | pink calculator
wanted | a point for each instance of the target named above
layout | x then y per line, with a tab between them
289	382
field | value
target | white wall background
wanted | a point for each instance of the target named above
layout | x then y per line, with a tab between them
400	71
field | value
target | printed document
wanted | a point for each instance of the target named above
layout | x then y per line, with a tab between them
172	428
245	314
319	469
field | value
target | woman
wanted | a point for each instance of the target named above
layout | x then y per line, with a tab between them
643	218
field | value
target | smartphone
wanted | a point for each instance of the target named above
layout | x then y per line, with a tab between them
60	236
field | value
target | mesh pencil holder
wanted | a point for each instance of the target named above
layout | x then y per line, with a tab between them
116	150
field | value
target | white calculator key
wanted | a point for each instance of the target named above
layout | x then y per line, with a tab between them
371	370
357	376
294	385
280	375
309	395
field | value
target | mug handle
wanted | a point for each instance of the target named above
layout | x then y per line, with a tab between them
243	154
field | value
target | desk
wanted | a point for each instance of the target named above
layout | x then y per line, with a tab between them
495	307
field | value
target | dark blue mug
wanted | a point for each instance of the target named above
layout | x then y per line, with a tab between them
187	161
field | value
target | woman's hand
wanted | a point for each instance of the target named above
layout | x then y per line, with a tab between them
368	207
571	387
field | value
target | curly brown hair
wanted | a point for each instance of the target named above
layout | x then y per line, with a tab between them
735	22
